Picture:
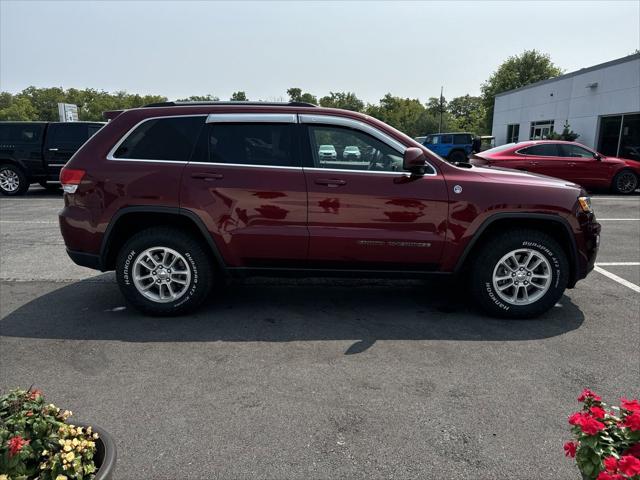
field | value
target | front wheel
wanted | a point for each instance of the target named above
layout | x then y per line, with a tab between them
519	274
625	182
162	271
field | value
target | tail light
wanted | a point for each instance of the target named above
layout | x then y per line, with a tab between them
70	179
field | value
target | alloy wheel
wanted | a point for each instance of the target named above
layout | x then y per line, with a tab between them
627	182
522	276
9	180
161	274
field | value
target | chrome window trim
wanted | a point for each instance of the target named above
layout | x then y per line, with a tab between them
377	172
130	131
221	164
252	118
365	128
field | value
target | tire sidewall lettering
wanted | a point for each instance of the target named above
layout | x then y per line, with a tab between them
126	274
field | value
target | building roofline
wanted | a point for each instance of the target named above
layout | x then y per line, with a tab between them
628	58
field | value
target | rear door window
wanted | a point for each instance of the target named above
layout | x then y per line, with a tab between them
21	133
265	144
542	150
447	139
165	139
68	135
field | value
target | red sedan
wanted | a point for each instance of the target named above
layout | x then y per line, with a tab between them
567	160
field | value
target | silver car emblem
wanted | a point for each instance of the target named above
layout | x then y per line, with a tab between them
457	189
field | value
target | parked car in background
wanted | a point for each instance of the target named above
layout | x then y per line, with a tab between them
327	152
567	160
351	152
34	152
486	142
176	196
455	147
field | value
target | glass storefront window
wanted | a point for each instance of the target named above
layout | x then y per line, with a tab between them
630	137
619	136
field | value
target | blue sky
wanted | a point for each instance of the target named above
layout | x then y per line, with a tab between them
186	48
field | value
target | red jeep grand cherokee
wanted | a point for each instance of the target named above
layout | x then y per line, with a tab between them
174	196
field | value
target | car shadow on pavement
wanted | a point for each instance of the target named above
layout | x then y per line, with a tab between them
283	311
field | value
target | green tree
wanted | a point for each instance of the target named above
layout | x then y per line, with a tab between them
469	113
16	108
344	100
200	98
517	71
296	95
239	96
567	134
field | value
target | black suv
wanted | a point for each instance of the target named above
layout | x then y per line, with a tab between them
35	152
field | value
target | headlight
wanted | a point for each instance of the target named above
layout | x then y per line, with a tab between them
585	204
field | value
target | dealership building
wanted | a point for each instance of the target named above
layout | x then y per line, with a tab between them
600	103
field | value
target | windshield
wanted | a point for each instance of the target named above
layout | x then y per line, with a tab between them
499	149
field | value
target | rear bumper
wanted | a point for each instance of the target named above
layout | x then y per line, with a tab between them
84	259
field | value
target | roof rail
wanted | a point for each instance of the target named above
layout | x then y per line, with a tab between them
265	104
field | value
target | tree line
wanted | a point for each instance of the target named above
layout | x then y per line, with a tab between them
464	113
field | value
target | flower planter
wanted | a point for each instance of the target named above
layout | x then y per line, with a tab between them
105	457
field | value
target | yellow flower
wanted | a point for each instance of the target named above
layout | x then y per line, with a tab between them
67	448
95	435
4	477
75	442
70	456
79	430
45	452
62	477
89	430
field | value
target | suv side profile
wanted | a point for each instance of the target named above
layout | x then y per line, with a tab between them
453	146
177	196
35	152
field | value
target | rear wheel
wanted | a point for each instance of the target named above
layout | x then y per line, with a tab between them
625	182
13	181
164	272
519	274
458	156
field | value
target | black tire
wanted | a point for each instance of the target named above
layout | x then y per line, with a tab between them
458	156
195	259
14	172
625	182
487	257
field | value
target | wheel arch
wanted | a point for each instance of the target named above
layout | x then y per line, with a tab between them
553	225
130	220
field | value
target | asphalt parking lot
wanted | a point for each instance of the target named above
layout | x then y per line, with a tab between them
317	379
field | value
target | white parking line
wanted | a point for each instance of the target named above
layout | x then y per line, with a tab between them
617	264
28	221
618	219
618	279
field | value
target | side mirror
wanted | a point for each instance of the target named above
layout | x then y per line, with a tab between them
597	156
414	160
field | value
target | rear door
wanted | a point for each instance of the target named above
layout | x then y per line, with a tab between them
245	180
545	158
63	140
369	213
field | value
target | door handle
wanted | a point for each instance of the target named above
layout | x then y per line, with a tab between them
533	164
53	149
330	182
571	164
207	177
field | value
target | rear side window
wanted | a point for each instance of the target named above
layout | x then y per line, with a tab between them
541	150
69	134
166	139
446	139
268	144
462	139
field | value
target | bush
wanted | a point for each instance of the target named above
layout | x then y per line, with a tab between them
37	443
607	444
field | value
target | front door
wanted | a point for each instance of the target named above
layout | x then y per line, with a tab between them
245	180
583	167
366	212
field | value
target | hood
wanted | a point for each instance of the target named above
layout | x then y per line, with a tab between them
508	175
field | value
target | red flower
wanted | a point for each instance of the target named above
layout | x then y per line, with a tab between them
633	421
631	405
586	393
15	444
633	450
609	476
570	449
587	423
629	465
29	413
35	394
597	412
611	464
